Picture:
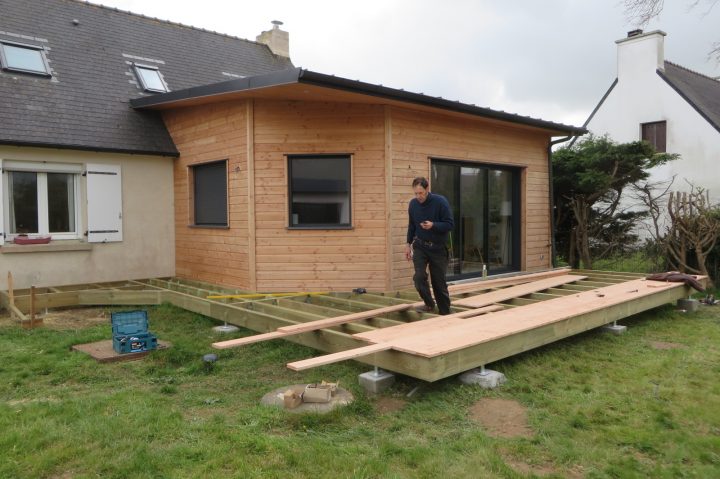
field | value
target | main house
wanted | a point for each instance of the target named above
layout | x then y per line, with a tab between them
146	148
676	109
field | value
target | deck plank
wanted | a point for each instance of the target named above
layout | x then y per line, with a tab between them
516	291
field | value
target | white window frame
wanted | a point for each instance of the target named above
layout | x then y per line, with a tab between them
6	66
41	169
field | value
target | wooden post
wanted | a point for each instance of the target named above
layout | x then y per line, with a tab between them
11	293
32	306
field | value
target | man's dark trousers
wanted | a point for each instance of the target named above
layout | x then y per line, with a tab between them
436	256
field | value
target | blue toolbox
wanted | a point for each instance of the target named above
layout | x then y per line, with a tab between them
130	332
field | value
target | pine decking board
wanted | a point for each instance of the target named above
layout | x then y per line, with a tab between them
430	343
339	356
516	291
440	322
481	284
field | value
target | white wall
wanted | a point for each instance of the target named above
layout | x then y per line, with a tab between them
642	96
148	246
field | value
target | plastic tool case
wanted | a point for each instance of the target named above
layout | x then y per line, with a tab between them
130	332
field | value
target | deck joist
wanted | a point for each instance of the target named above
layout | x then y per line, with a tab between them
491	320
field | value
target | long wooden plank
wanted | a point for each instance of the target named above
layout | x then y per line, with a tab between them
339	356
440	323
516	291
509	281
314	325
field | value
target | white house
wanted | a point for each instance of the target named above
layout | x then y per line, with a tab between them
672	107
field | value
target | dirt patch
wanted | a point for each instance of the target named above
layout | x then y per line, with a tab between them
501	417
387	405
536	470
75	318
664	345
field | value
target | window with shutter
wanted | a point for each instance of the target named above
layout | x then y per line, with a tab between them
104	203
655	133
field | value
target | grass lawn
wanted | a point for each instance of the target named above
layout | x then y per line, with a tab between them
598	406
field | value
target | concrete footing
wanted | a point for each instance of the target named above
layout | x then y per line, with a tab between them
375	382
617	329
689	305
485	378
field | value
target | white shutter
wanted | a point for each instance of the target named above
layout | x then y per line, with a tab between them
104	203
2	209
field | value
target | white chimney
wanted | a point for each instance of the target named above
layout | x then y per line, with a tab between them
641	54
278	40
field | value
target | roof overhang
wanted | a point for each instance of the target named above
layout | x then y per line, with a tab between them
305	85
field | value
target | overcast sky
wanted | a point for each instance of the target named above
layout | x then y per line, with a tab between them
552	59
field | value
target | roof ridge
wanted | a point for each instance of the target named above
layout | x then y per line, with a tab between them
691	71
169	22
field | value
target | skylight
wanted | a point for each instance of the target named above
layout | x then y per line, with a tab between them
23	58
150	78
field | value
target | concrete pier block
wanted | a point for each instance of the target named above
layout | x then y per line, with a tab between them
375	383
485	378
689	305
616	329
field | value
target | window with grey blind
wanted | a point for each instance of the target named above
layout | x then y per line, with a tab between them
655	133
210	194
319	191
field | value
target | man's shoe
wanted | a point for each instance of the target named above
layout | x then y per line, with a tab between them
424	308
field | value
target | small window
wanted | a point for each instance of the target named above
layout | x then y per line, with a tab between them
150	78
319	191
655	134
210	194
23	58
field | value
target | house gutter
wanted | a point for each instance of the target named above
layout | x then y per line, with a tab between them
552	195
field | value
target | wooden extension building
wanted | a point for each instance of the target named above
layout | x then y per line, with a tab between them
299	181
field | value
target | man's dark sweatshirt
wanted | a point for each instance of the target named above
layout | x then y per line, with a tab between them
436	209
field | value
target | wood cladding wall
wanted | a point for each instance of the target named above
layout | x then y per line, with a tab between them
292	259
204	134
389	146
416	137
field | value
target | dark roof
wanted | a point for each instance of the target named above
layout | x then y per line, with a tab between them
307	77
85	105
702	92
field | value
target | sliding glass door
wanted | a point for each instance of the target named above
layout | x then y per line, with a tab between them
485	205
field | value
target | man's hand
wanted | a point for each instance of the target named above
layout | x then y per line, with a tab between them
426	225
408	252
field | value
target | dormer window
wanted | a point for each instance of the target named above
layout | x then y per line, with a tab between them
23	58
150	78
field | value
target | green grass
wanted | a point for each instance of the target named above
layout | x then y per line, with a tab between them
600	406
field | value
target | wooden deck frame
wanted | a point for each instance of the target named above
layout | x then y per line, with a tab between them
274	313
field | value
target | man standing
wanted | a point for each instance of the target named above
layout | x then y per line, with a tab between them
430	222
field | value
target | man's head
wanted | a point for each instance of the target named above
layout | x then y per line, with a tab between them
420	188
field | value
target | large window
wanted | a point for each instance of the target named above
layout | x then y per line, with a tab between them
655	133
319	191
23	58
210	194
485	203
41	199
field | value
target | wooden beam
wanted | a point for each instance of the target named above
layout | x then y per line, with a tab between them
339	356
516	291
388	199
250	159
312	326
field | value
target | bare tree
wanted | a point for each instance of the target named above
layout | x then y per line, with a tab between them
693	229
640	12
652	197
